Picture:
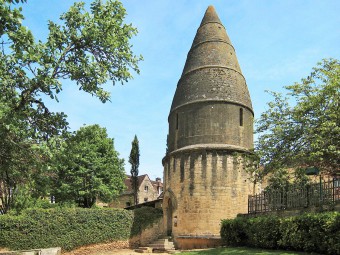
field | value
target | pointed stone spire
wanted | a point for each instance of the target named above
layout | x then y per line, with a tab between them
212	71
210	16
211	103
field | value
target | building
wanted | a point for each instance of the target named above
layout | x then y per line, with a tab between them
148	190
211	119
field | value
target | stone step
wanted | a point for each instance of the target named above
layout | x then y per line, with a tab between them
164	240
158	246
162	244
155	250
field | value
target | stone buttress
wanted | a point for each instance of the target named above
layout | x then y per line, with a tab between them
211	118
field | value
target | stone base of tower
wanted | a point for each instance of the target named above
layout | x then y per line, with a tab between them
197	242
202	187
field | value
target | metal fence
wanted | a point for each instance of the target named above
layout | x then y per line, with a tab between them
317	194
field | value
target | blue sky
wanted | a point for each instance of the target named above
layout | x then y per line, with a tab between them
277	43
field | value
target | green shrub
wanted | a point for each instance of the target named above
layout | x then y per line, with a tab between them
233	232
263	232
70	228
314	232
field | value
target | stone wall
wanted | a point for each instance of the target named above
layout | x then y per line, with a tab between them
204	187
193	242
210	123
121	201
148	235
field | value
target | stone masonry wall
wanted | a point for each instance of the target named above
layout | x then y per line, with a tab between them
121	201
210	123
148	235
208	186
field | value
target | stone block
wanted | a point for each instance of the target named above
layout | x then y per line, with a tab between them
51	251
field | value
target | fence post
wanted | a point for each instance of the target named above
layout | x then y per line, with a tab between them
333	190
321	198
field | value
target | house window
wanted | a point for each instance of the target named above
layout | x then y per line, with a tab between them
160	190
146	188
241	117
127	204
176	121
145	199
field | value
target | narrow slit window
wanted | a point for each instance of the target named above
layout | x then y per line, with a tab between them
241	117
176	121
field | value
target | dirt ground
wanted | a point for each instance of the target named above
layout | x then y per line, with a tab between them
121	251
109	252
99	249
114	248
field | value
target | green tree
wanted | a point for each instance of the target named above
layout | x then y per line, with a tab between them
134	161
88	168
303	128
89	48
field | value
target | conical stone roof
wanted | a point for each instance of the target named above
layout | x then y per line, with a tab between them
211	71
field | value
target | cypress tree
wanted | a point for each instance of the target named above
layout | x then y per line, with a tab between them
134	161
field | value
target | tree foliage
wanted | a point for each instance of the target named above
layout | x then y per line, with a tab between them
87	47
88	167
134	161
303	128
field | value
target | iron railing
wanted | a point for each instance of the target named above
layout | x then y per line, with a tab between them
317	194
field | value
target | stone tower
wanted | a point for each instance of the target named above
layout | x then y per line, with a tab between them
211	118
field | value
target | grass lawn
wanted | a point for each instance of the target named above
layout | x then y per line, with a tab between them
241	250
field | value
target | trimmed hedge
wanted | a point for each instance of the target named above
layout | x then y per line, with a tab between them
310	232
70	228
233	232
